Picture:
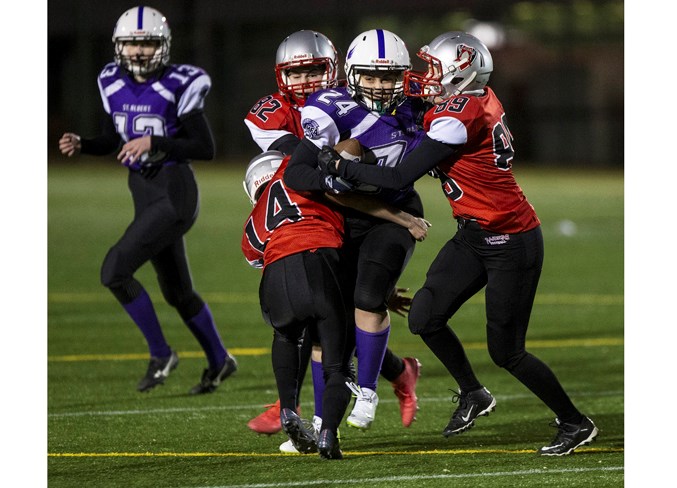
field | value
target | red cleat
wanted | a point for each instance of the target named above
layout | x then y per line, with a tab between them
269	421
405	390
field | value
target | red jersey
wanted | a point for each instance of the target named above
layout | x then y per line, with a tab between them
271	118
478	179
286	222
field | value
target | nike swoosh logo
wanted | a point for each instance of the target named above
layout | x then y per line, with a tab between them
551	447
465	419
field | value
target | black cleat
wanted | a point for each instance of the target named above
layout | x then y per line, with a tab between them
328	445
211	379
570	437
300	434
471	405
158	370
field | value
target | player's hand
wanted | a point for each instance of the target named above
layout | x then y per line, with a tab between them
69	144
132	151
398	303
418	228
328	160
335	185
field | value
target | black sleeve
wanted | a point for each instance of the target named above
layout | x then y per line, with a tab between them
428	154
285	144
302	173
194	140
102	144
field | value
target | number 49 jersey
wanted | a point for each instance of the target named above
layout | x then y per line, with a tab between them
478	180
153	107
285	222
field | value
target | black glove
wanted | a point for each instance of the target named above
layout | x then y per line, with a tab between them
335	185
326	159
153	164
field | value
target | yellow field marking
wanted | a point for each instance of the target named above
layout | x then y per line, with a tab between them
229	298
262	351
242	351
345	453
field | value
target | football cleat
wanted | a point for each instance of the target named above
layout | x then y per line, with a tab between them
211	379
405	390
158	370
364	410
268	422
570	437
471	405
328	445
300	432
287	447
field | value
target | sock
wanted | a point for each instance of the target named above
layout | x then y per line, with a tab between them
392	366
143	314
318	385
370	349
203	328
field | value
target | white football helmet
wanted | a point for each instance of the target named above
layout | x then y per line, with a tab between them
377	50
457	63
142	24
302	49
260	170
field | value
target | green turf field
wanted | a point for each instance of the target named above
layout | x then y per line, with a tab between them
103	433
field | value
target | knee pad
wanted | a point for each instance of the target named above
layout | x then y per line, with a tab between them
373	288
506	361
420	314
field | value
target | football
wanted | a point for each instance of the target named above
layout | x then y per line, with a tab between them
350	149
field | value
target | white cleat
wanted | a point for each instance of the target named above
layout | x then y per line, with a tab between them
364	411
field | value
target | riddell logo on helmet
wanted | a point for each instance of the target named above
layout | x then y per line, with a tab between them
382	61
262	180
302	56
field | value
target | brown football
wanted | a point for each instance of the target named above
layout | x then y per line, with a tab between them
350	149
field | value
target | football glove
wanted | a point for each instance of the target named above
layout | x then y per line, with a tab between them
326	159
335	185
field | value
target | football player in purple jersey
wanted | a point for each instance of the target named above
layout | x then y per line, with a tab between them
155	124
373	110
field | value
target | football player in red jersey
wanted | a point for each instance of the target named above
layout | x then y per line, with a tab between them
306	62
499	243
295	238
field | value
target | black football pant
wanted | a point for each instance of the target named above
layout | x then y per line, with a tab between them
303	292
165	208
509	265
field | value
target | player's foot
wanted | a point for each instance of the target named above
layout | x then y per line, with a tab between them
300	432
405	390
287	447
269	421
158	370
328	445
570	437
364	411
211	379
471	405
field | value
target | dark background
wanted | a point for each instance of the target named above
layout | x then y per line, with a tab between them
558	68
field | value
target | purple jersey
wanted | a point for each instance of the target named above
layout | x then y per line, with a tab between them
330	116
152	107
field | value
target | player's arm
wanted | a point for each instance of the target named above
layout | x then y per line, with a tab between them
428	154
303	174
108	141
194	140
285	144
417	226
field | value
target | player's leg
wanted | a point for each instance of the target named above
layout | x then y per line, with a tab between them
454	276
173	273
383	254
514	270
149	232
